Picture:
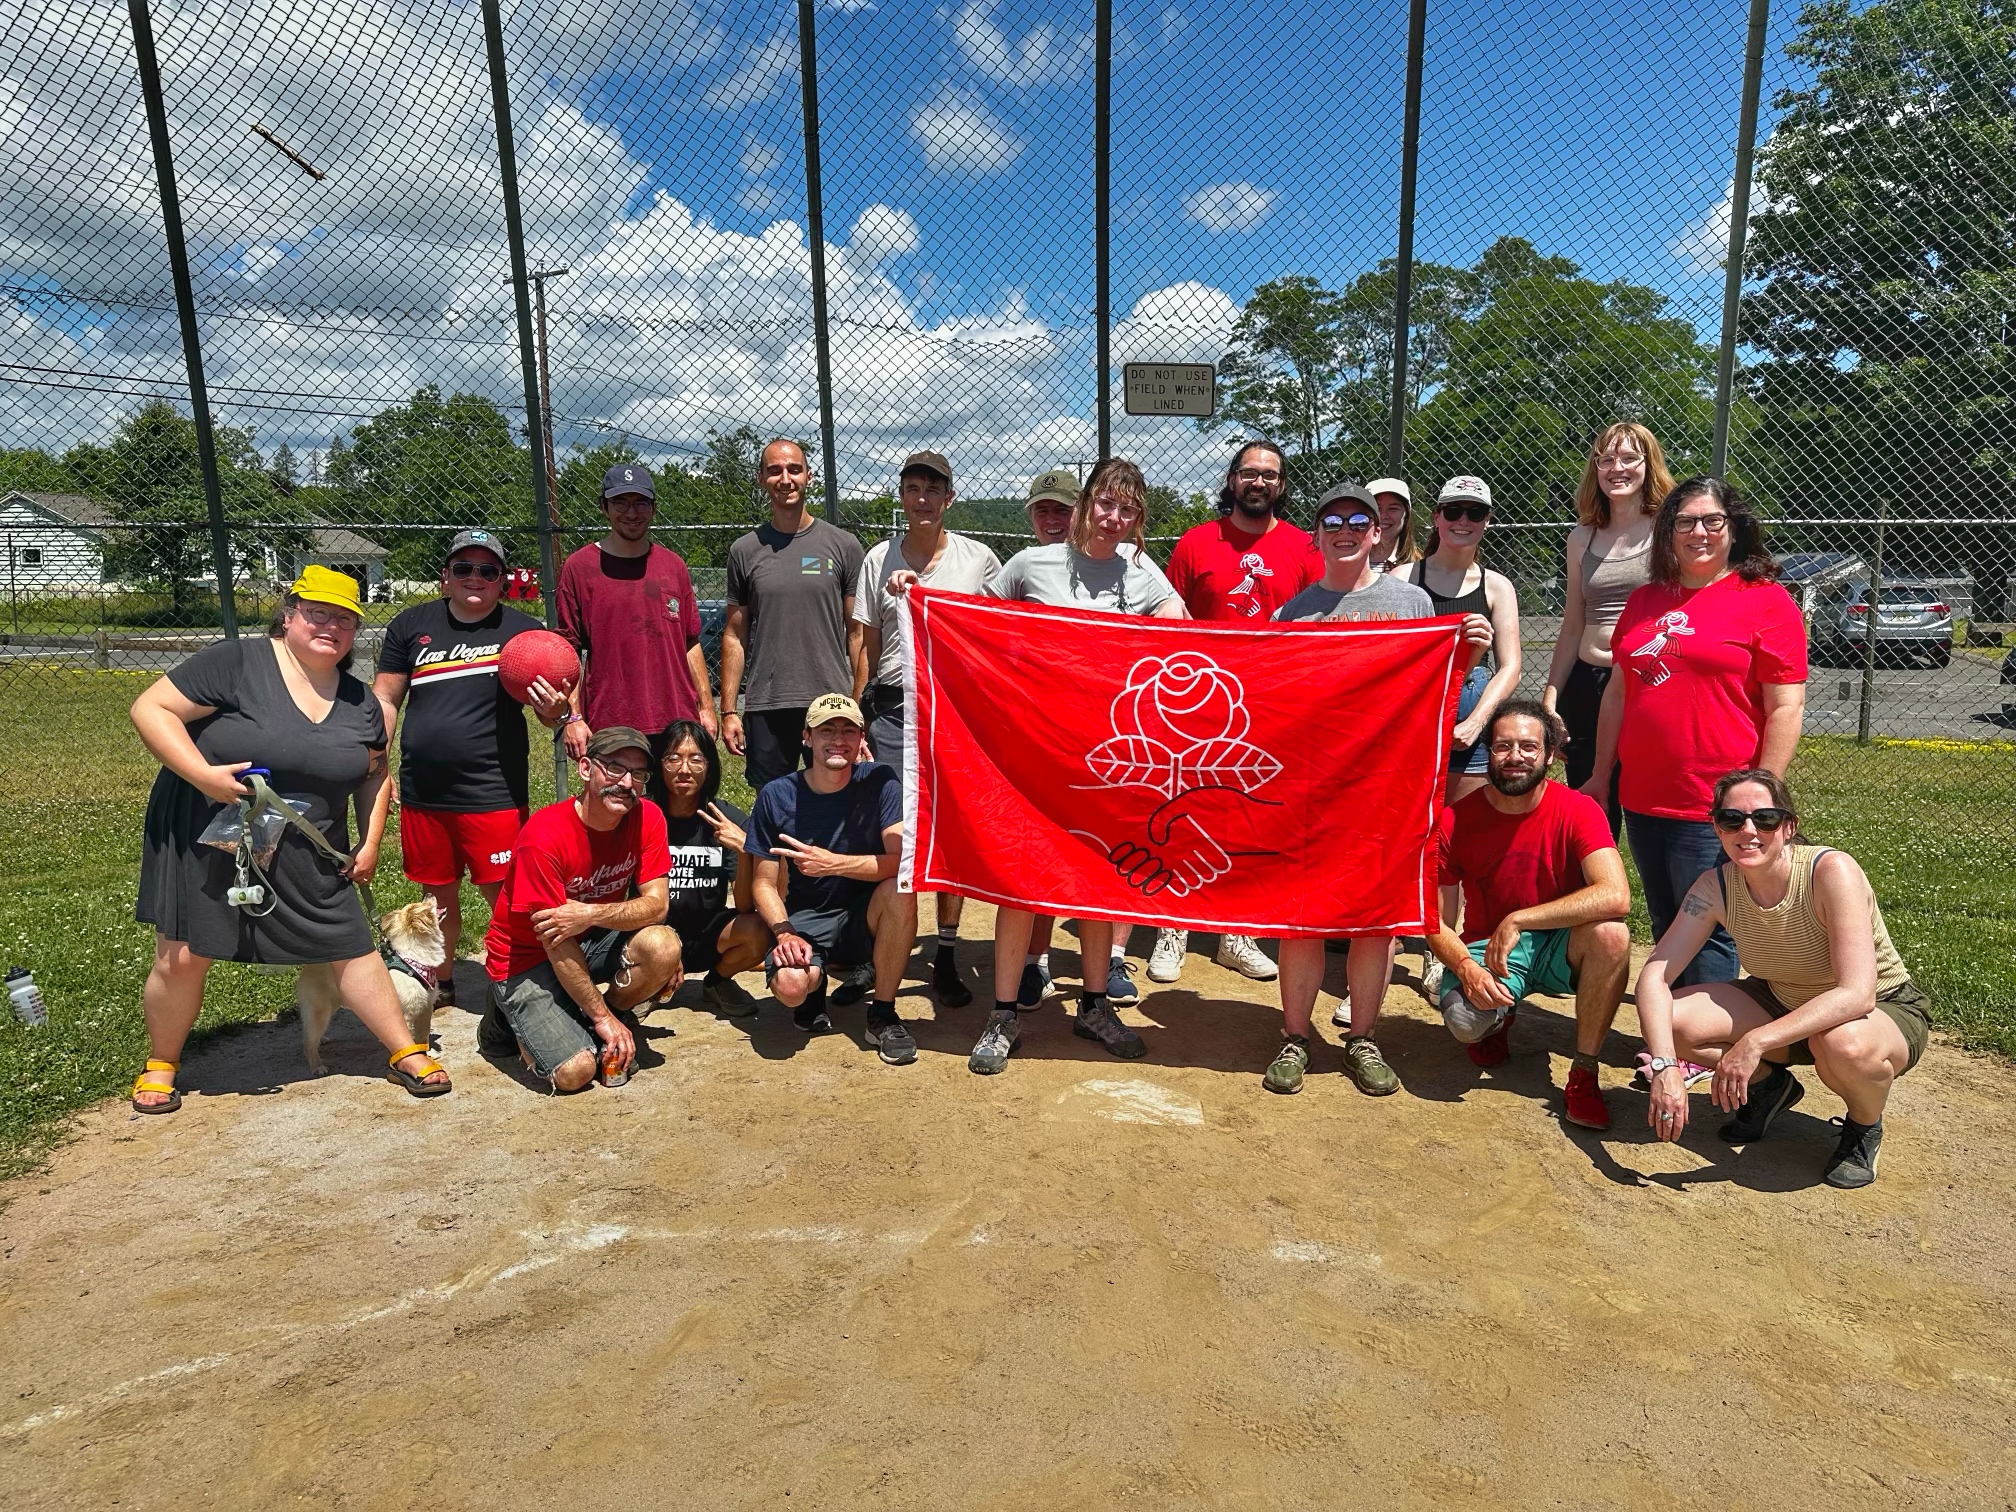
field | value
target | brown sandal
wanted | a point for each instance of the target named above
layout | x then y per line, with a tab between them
144	1083
416	1084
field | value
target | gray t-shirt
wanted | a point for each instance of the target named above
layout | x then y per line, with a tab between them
1067	579
964	566
795	588
1385	597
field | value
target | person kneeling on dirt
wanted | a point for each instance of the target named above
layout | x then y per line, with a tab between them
582	911
1822	984
1544	900
839	827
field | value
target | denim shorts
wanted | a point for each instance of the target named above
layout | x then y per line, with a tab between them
550	1025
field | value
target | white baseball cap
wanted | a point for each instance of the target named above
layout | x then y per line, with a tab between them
1464	489
1390	485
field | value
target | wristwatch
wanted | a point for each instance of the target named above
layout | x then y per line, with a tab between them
1659	1063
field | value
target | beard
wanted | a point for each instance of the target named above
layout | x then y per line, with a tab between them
1253	508
1520	786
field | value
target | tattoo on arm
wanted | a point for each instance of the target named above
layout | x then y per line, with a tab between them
1696	905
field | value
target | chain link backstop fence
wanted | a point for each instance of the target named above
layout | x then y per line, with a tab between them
338	182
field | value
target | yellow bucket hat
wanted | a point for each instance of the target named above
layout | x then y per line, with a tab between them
325	585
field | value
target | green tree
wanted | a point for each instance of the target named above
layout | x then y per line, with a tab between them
26	470
1281	370
1885	251
283	469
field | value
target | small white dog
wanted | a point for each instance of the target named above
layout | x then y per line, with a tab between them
417	954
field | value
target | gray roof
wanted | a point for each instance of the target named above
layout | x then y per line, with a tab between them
339	541
324	539
74	508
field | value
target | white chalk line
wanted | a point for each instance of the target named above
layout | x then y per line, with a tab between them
566	1242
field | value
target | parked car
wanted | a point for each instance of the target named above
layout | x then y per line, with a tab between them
1912	620
713	622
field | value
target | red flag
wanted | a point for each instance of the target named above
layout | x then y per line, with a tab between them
1276	781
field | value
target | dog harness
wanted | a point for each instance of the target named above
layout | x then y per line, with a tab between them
424	975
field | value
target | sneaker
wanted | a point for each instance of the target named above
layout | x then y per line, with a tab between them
1367	1067
1583	1103
1035	985
493	1035
1120	986
893	1042
1692	1075
1284	1072
1853	1163
854	985
810	1016
1768	1098
1432	972
1496	1047
997	1043
1341	1014
727	996
1098	1021
1165	962
945	981
1242	953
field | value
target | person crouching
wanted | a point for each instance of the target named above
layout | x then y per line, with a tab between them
578	940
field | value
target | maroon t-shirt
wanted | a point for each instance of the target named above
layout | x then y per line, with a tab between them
1511	861
635	617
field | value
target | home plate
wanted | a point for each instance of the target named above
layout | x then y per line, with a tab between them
1136	1102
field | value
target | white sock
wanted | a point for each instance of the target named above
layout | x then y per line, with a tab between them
1042	960
1119	951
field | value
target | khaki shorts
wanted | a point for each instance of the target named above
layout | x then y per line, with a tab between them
1904	1005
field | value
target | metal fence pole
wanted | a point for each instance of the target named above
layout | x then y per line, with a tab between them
1870	620
1739	230
185	309
815	233
1102	212
521	294
1403	270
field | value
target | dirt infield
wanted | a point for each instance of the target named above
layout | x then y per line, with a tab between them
769	1269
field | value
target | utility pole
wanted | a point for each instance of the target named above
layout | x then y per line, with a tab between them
538	276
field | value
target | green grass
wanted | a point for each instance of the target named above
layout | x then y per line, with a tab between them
1935	827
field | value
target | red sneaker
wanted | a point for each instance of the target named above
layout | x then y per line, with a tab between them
1583	1104
1496	1047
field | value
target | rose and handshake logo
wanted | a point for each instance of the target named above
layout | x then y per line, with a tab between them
1179	740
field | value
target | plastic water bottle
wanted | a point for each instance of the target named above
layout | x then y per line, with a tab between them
26	997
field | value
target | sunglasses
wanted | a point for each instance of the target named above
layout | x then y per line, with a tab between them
1357	524
1477	514
487	572
1767	820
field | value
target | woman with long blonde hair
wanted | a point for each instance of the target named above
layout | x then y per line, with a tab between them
1609	557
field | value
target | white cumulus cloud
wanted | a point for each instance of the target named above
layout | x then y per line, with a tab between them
881	233
1230	207
959	134
762	69
1043	55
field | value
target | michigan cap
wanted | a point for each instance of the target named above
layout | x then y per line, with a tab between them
325	585
926	461
629	478
1059	485
1464	487
487	540
828	707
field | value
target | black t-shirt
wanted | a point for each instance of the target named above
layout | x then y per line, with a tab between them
462	745
848	823
702	880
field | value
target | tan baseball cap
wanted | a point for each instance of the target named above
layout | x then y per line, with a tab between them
828	707
1463	488
1060	485
1392	486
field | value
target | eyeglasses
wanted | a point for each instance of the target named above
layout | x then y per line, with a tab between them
326	615
1255	475
1125	509
1516	747
1707	524
1767	820
1357	524
683	759
487	572
618	773
1477	514
630	504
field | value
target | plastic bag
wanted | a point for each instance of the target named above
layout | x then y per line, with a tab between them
227	831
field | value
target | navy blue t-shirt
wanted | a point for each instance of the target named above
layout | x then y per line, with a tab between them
849	823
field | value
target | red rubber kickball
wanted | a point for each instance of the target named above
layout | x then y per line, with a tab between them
534	654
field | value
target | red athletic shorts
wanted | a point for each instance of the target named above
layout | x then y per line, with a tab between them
436	847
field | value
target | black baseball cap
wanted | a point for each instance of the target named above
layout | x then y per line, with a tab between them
629	478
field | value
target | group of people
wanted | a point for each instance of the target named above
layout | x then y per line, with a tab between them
1675	694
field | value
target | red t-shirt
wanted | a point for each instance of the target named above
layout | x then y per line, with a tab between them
1511	861
1223	573
635	617
559	859
1694	662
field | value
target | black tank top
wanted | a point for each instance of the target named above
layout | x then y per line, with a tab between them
1473	602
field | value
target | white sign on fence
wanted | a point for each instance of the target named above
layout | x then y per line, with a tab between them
1171	388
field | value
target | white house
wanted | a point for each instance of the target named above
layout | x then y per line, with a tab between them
54	544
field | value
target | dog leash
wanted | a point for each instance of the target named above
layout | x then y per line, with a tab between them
264	798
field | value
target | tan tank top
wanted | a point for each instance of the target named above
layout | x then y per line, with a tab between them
1786	946
1607	581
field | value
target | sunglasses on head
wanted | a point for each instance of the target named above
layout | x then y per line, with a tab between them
487	572
1767	820
1358	522
1475	513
